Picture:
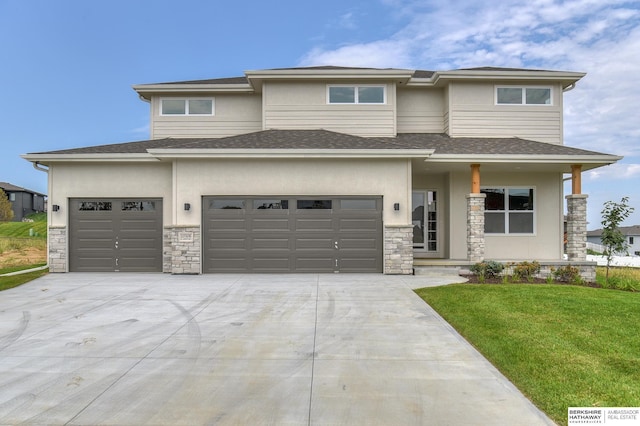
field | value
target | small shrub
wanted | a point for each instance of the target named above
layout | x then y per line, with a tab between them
526	270
489	269
567	274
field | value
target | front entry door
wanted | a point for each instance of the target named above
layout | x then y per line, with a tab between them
425	219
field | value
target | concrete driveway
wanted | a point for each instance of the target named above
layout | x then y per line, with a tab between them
136	349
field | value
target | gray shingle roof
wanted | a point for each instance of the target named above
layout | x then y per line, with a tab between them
324	139
626	230
416	73
6	186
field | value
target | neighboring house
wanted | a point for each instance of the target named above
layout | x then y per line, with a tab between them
328	169
631	233
23	201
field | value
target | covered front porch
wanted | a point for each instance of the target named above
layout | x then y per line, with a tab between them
463	213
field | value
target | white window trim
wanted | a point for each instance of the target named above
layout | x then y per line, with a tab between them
355	87
524	95
187	100
506	212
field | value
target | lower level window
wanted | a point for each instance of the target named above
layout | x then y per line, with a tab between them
509	210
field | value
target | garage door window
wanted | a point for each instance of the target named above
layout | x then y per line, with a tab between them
358	204
102	206
271	204
138	206
314	204
226	204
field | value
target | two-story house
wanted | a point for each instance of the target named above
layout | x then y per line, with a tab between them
327	169
23	201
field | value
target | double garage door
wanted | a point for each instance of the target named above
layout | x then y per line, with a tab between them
292	234
107	235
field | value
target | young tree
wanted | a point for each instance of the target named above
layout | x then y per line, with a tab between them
6	213
613	240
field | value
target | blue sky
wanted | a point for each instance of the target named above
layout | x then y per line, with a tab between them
67	66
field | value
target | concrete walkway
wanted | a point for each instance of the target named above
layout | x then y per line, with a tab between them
136	349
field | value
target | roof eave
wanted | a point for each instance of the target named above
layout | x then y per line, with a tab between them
148	90
48	158
440	78
290	153
587	161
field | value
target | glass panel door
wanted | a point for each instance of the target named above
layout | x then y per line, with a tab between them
424	217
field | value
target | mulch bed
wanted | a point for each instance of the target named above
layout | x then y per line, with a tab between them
473	279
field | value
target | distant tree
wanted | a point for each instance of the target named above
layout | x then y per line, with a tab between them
613	240
6	213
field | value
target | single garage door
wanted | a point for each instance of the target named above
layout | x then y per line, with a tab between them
292	234
121	235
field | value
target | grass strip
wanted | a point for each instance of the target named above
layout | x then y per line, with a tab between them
562	346
16	280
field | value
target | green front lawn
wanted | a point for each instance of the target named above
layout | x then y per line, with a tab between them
562	346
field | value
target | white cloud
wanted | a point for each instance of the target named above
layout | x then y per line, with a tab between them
600	37
618	171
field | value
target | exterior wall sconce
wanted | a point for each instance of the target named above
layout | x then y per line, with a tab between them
187	207
396	206
55	207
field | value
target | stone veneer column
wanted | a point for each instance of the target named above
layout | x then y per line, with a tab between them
398	249
577	227
182	251
475	227
57	249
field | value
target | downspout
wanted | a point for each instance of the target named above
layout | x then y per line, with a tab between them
569	88
36	166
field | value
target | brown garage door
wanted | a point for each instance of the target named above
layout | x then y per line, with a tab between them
107	235
292	234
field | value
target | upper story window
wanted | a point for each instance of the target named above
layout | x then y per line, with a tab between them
356	94
186	107
523	95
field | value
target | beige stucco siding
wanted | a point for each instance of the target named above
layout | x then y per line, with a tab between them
98	180
420	111
544	244
234	114
473	113
388	178
304	106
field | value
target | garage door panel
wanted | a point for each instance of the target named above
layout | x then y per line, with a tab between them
230	243
310	243
238	224
355	224
358	243
269	224
272	243
314	224
314	264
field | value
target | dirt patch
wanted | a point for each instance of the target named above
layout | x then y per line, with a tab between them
25	256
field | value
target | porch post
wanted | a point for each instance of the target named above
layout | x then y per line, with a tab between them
576	218
475	218
576	179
